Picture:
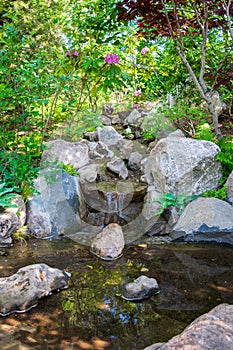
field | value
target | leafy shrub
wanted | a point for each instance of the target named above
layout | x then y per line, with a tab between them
226	155
203	132
219	193
18	171
6	196
167	200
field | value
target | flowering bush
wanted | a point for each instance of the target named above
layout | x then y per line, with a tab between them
111	58
71	54
137	93
144	50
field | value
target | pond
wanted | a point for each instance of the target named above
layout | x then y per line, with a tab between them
91	314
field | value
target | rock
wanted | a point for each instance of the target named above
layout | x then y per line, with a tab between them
109	243
11	219
105	120
108	135
183	166
21	291
21	208
135	159
123	115
125	147
98	150
141	288
213	330
229	184
75	153
117	166
9	223
116	119
89	173
56	210
205	220
107	109
91	135
133	118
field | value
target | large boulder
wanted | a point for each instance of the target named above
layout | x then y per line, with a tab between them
213	330
56	210
60	151
183	166
205	220
229	184
21	291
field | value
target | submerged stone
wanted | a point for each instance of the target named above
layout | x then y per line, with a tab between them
141	288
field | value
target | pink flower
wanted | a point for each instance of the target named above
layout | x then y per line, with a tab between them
111	58
144	50
74	53
136	105
137	93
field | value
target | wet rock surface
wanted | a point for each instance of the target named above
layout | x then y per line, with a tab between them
22	290
213	330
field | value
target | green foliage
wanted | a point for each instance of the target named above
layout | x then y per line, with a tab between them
17	170
219	193
69	168
21	235
226	155
6	196
167	200
204	132
183	115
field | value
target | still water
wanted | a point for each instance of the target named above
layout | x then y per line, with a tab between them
91	315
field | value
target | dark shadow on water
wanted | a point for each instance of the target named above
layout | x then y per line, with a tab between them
91	314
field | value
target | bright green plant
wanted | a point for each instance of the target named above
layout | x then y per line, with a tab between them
6	196
170	200
219	193
226	155
204	132
18	171
69	168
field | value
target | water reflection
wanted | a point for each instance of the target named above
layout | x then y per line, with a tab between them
91	313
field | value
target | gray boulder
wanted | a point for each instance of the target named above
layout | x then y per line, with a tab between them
141	288
135	159
117	166
21	291
89	173
213	330
109	243
56	210
133	118
205	220
9	223
229	184
108	135
183	166
11	220
98	150
75	153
